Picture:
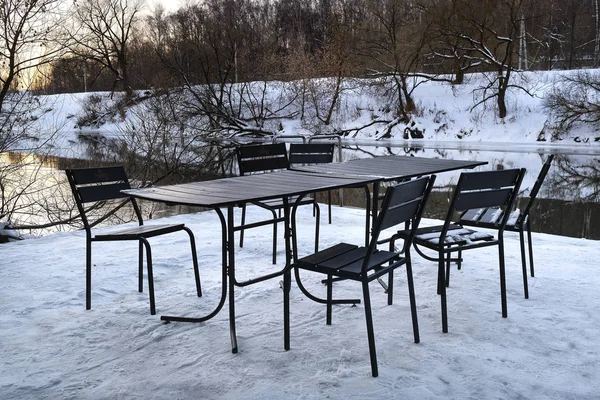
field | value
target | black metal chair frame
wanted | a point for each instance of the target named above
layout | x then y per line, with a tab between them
99	185
474	190
403	202
313	153
263	158
519	221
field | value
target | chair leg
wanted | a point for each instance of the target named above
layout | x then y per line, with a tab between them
502	278
317	224
370	332
440	279
523	263
274	238
442	292
390	288
243	222
448	270
329	298
530	244
141	267
150	276
287	282
413	302
194	261
329	205
88	274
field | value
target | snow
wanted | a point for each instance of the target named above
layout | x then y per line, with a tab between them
51	347
548	347
8	233
445	113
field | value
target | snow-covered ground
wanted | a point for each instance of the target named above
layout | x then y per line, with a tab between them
445	114
52	348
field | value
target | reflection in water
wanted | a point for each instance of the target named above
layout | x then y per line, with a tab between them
568	203
572	206
576	178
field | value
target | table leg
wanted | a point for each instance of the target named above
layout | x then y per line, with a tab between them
367	207
289	231
374	207
224	246
231	274
293	257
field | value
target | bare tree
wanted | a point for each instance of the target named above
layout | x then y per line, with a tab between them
159	143
575	99
393	41
486	38
27	45
26	41
102	33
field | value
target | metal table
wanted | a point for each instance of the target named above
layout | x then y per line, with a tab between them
390	168
230	192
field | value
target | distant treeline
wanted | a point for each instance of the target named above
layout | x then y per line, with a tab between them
224	41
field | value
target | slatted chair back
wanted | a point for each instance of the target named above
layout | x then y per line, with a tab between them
485	190
491	217
404	202
262	157
311	153
93	185
535	189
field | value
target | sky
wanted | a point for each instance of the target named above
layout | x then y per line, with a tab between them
170	5
51	347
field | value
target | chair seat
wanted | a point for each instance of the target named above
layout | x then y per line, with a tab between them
489	218
136	232
344	260
458	236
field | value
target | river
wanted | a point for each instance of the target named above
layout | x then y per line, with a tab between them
568	203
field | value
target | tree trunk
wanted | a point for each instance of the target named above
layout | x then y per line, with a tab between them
410	103
597	36
336	96
502	86
459	75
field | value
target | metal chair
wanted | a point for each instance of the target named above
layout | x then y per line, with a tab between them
313	153
473	190
518	221
402	203
263	158
94	185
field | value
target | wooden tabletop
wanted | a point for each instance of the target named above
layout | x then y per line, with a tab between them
388	168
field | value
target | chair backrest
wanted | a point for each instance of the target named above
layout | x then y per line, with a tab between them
492	216
535	189
93	185
494	190
262	157
403	202
311	153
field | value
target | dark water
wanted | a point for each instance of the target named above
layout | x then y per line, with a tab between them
568	202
